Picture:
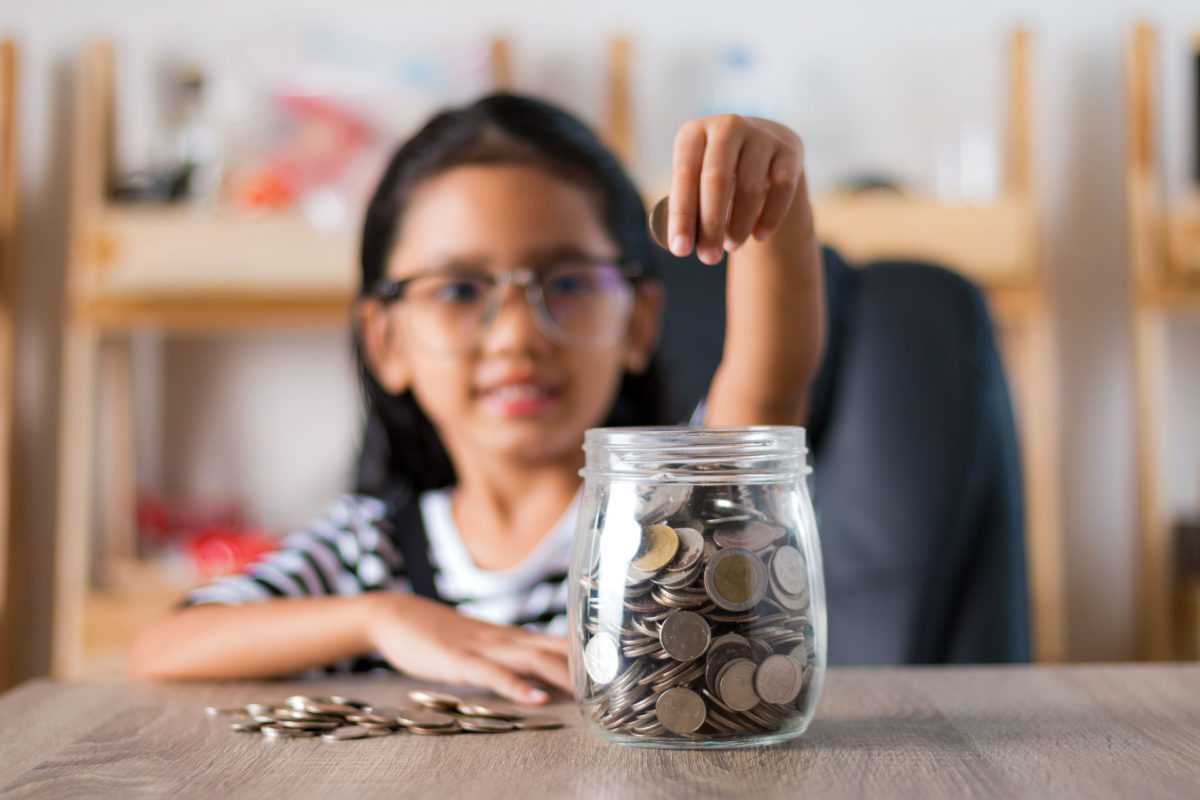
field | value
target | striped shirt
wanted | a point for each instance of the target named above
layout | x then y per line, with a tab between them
351	550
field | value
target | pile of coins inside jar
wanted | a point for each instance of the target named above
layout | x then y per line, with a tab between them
338	719
706	633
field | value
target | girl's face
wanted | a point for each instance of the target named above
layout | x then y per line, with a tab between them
515	394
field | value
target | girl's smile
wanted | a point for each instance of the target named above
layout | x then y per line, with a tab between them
518	395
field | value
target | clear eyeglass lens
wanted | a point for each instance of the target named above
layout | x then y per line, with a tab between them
584	305
587	305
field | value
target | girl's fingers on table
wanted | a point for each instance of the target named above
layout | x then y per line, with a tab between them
535	663
480	671
685	188
784	176
555	644
751	188
718	175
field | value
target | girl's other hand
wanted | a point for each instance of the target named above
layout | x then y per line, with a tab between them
732	177
428	640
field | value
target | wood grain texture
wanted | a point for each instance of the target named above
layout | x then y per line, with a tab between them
1096	731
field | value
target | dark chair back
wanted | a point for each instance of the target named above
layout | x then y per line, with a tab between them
917	480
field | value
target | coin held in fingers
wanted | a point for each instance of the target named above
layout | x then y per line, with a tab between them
658	223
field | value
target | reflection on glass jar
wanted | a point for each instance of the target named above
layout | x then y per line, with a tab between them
697	602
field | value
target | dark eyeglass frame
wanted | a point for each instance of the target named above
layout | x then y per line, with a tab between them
389	291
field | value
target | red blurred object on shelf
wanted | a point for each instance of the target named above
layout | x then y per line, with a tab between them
223	551
215	537
325	138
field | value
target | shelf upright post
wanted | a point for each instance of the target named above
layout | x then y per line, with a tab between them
91	149
8	274
1146	232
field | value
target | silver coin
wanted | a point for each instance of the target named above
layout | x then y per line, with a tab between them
486	725
602	658
279	732
438	701
792	602
424	718
735	579
685	635
447	730
373	719
387	712
308	725
664	501
802	653
752	535
787	567
346	733
246	726
691	550
778	679
724	649
302	716
680	710
735	685
259	709
349	701
491	710
329	709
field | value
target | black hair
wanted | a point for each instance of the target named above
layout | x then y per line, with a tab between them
401	450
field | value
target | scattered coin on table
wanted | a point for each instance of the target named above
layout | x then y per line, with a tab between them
338	719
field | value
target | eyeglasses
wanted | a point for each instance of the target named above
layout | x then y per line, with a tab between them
576	302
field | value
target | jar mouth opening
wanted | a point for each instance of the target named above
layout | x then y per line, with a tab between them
685	454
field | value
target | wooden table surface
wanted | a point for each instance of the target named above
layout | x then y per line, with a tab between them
1080	731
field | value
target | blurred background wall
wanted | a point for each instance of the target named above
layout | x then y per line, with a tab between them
871	85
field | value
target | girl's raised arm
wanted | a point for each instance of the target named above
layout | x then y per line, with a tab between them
738	185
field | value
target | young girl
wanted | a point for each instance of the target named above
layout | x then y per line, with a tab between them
507	305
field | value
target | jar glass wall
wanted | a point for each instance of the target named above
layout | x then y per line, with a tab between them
697	602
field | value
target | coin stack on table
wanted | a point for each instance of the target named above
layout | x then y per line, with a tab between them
696	616
339	719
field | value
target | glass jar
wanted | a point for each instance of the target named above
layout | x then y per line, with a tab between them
697	602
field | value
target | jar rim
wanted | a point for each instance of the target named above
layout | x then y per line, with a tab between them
697	454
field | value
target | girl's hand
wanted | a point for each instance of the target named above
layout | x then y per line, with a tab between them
732	176
428	640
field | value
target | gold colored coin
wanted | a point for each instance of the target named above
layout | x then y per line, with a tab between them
659	545
658	223
735	579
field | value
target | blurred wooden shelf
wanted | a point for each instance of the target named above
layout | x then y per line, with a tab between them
995	245
1183	241
1164	272
139	253
177	269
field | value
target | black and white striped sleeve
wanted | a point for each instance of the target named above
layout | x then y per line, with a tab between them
346	552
